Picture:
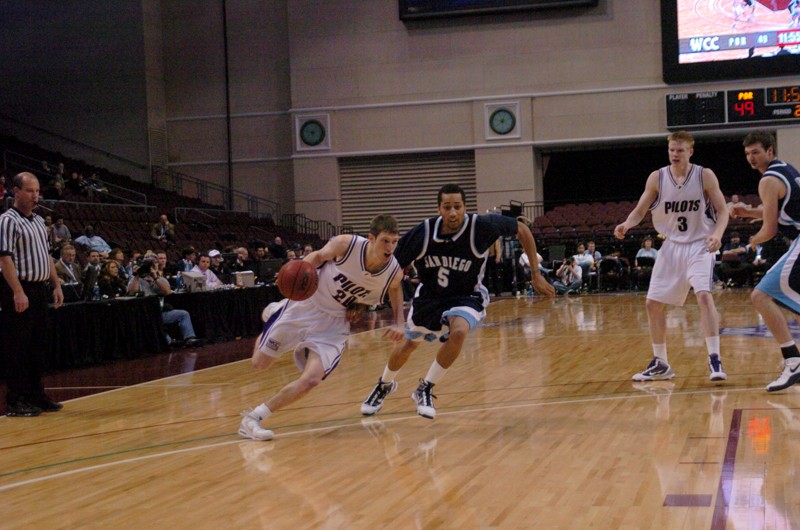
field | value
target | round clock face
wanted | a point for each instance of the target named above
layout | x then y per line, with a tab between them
502	121
312	133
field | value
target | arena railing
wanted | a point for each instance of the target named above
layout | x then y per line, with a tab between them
211	193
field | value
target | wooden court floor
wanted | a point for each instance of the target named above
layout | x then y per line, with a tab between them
538	426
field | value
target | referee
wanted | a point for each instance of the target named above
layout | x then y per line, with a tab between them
24	294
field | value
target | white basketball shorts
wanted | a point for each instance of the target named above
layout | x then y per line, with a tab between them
680	267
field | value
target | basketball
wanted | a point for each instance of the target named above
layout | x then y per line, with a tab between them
297	280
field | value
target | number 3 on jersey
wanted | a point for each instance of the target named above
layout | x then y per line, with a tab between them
682	224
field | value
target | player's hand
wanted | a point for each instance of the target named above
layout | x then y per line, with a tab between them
738	210
396	332
713	243
620	231
355	312
542	286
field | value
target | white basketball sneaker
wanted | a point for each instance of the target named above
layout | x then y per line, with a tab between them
789	376
251	427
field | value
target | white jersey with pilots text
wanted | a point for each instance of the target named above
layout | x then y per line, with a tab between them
346	281
682	212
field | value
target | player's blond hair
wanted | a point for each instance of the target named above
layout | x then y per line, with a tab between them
681	136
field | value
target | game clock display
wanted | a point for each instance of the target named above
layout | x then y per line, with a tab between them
764	104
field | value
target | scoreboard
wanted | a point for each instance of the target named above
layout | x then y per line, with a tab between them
732	107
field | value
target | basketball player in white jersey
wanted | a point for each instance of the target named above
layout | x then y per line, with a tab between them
353	272
688	208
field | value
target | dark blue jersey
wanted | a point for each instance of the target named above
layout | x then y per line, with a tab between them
789	206
453	264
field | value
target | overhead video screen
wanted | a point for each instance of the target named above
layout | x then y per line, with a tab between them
705	40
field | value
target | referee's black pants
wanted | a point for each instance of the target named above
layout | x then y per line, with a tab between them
24	339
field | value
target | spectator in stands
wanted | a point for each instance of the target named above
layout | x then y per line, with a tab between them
734	269
307	249
75	184
640	275
163	231
186	263
109	282
165	269
204	267
241	263
291	254
593	252
585	262
90	241
93	262
54	192
736	202
647	251
217	267
3	189
118	255
67	270
60	234
147	283
276	249
569	277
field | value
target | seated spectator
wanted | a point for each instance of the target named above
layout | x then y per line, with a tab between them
165	269
241	263
736	202
643	264
109	282
124	272
291	254
93	262
186	263
276	249
68	271
216	266
585	262
91	241
204	267
569	277
3	188
734	269
54	192
75	184
613	272
147	283
307	249
60	234
163	231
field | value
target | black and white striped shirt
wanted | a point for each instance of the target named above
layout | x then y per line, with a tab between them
25	240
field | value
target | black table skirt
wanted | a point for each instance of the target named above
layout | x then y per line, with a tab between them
86	333
225	314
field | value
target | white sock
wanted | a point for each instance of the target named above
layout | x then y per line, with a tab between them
262	411
435	373
388	375
712	345
660	351
787	344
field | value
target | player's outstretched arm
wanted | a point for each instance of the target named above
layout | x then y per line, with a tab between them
526	239
635	217
711	188
333	249
396	331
